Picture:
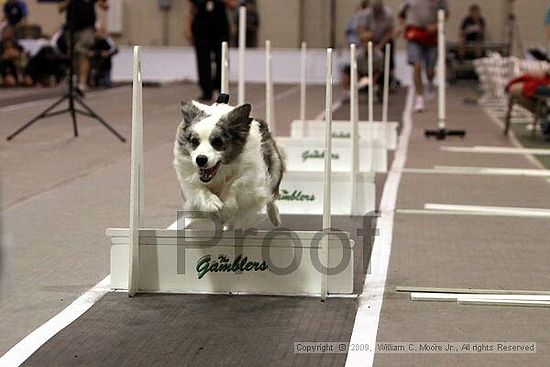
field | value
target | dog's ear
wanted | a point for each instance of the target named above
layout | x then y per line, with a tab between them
189	112
239	117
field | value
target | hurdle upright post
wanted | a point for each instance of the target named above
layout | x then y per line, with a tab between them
371	83
136	176
269	102
327	195
442	132
387	56
303	76
354	128
242	47
224	88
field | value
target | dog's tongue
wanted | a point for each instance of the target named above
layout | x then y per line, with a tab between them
206	174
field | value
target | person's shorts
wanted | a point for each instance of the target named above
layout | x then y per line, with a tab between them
84	40
417	53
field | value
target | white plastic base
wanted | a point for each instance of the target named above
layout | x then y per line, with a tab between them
171	261
385	132
307	154
302	193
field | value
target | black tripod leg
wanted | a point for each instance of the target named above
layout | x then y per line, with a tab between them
98	118
73	116
38	117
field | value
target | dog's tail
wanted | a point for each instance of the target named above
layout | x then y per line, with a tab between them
273	213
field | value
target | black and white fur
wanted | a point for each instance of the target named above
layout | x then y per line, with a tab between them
227	163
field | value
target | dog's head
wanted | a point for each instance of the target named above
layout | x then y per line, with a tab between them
213	135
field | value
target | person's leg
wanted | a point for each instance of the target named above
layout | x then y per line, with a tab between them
414	58
430	60
204	66
84	40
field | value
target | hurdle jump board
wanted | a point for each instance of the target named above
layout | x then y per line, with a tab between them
188	261
307	154
385	132
301	192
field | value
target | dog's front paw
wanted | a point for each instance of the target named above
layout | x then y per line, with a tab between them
213	204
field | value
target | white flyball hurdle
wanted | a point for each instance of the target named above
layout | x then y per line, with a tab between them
382	133
302	188
279	262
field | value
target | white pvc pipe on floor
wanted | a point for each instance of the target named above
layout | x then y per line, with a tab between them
387	57
327	195
136	176
441	69
371	83
242	46
354	129
224	88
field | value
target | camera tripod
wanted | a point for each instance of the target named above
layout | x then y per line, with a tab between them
73	96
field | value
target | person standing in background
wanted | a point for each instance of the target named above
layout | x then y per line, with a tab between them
419	20
206	27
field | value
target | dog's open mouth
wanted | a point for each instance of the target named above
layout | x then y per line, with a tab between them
207	174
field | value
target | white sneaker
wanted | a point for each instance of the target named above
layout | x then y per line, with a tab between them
419	104
430	92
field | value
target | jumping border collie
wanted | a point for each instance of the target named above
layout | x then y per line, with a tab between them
228	164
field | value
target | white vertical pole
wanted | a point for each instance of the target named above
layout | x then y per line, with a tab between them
386	83
303	87
371	83
441	72
354	129
242	46
327	195
224	88
269	103
136	176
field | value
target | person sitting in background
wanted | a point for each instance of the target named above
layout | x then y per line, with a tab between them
101	55
377	25
15	12
523	88
11	58
45	68
351	32
472	32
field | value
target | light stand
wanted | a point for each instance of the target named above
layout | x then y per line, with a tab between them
442	132
72	96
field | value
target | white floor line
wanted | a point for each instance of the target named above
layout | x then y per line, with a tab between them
496	171
467	213
496	210
28	345
280	96
496	150
365	327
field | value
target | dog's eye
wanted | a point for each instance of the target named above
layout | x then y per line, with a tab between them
194	142
217	143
